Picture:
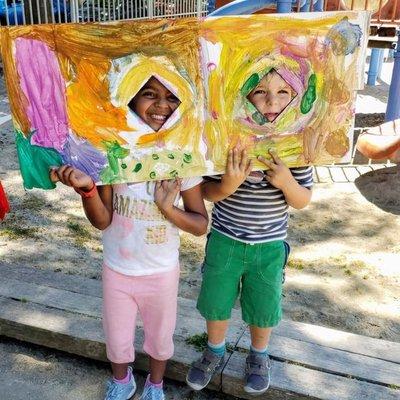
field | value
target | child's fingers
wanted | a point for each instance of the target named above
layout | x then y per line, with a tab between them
268	163
274	156
60	172
53	174
158	185
243	159
68	176
235	157
249	167
229	162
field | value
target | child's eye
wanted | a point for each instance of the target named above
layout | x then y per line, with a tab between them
284	91
259	91
148	93
173	99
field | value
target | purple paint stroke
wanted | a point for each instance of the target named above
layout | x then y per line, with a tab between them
79	153
292	79
304	66
44	87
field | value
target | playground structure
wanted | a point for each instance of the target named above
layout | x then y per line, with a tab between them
378	143
381	142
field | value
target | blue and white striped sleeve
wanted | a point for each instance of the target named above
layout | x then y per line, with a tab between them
304	176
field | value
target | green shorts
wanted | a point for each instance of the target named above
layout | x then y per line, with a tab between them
253	271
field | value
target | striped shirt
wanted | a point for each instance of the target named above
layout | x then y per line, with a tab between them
256	212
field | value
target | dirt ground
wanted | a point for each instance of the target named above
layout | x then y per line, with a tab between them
343	271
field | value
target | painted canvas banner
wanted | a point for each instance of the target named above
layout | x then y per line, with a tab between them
150	100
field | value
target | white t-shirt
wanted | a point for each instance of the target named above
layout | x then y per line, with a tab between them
139	240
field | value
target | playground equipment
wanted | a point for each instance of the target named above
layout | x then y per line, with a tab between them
249	7
381	142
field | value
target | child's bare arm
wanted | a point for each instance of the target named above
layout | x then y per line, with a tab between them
238	168
279	175
194	219
98	207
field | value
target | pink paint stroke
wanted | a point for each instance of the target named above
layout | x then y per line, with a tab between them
44	87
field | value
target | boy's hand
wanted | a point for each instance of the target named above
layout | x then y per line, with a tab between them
71	177
278	174
165	194
238	167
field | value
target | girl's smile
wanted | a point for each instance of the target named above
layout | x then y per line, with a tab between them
154	104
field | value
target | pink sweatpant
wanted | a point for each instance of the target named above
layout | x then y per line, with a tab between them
155	297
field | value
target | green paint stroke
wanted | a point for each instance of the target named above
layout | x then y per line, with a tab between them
138	167
310	95
250	84
115	153
35	162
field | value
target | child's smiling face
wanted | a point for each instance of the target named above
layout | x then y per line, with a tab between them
271	95
154	104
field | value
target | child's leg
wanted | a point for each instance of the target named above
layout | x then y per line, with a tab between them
157	300
119	370
119	318
259	337
157	370
261	309
220	287
216	331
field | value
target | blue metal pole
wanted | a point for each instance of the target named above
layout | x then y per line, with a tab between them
284	6
380	62
373	66
393	107
319	5
242	7
306	6
211	6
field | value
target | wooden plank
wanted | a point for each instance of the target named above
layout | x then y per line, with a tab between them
73	333
189	321
289	381
364	345
51	297
331	360
332	338
81	335
58	280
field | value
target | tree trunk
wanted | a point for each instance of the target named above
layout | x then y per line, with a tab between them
41	11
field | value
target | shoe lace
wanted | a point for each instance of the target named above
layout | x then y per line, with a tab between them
153	393
113	389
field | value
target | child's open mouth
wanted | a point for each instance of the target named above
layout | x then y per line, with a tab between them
271	116
159	118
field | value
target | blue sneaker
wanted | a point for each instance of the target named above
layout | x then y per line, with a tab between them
151	392
202	370
121	391
257	377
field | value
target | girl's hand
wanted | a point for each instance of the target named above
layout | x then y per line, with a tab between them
238	167
278	174
165	194
71	177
